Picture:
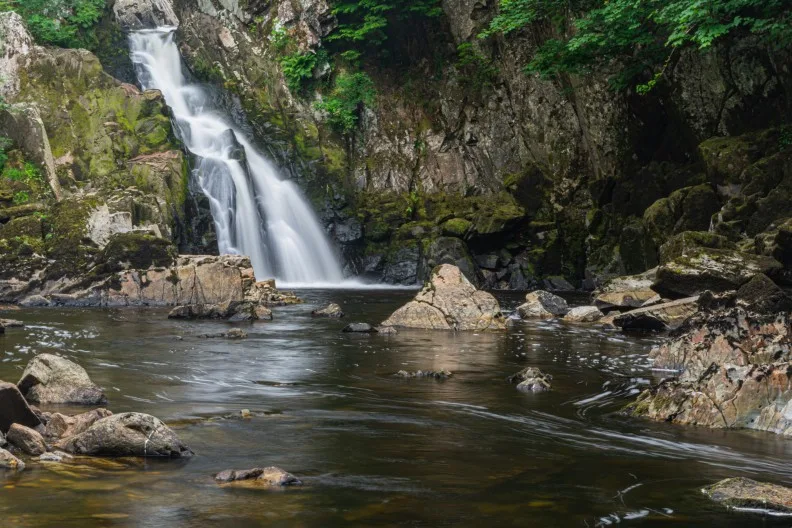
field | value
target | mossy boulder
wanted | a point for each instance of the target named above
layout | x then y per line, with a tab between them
725	158
24	226
717	270
689	241
687	209
137	250
456	227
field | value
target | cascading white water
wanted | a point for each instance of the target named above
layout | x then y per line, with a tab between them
255	212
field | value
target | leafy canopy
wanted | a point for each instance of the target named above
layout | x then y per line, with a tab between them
641	35
370	21
66	23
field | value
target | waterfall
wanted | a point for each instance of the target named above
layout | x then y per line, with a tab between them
255	212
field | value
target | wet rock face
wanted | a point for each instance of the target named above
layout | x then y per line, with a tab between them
734	372
14	408
747	493
144	14
449	302
53	379
271	476
127	434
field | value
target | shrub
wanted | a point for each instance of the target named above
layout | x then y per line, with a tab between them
66	23
352	92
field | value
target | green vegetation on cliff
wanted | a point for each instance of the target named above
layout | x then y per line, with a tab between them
66	23
640	36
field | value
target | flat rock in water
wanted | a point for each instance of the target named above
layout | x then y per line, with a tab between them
26	439
9	461
14	408
127	434
385	330
435	374
448	301
331	310
541	304
584	314
11	323
657	317
745	493
531	379
269	477
363	328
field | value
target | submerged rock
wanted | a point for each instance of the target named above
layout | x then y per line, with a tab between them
584	314
435	374
56	456
331	310
52	379
734	372
542	305
531	379
26	439
386	330
746	493
269	476
234	333
127	434
448	301
362	328
9	461
14	408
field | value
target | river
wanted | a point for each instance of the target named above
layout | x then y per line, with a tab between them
372	449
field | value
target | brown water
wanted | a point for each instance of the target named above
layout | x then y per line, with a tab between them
374	450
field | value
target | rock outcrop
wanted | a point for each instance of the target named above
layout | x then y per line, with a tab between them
733	372
52	379
449	302
144	14
657	317
127	434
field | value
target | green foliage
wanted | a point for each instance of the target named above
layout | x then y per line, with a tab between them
279	36
351	93
478	70
5	143
367	22
298	68
640	35
21	197
66	23
785	137
29	173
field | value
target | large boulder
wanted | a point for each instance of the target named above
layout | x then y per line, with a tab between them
26	439
630	291
717	270
331	310
127	434
449	302
748	494
144	14
52	379
541	304
734	372
14	408
233	311
257	477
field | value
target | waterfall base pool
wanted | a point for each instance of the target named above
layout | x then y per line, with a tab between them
373	449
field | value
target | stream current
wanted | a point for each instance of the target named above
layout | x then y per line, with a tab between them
372	449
